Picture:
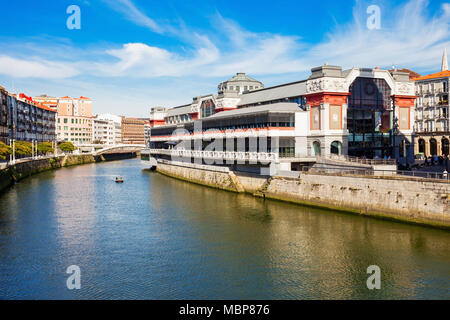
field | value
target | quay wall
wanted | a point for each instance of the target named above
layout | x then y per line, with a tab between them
418	201
216	177
421	202
22	170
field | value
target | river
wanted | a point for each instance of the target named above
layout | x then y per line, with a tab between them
154	237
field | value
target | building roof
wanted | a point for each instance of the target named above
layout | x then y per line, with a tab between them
274	107
241	76
440	74
412	74
80	98
42	106
274	93
37	104
179	110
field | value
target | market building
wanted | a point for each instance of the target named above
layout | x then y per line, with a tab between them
359	112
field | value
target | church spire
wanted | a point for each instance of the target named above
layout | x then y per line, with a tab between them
444	66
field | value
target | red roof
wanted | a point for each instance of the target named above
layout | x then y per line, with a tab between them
40	105
412	74
37	104
24	96
441	74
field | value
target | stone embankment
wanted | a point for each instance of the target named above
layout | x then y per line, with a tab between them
421	201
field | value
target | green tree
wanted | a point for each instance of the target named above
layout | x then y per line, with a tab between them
66	147
23	148
45	147
5	151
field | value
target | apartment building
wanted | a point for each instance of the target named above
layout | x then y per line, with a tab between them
432	112
133	130
116	123
74	121
4	129
22	118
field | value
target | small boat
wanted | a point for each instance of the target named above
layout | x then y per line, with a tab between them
119	180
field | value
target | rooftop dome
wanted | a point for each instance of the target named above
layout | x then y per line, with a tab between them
240	83
241	76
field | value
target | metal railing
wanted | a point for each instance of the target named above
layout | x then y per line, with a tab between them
358	160
417	175
225	155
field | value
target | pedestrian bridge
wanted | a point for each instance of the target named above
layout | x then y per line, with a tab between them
99	149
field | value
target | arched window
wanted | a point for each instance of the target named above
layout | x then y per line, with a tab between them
316	148
421	146
433	147
336	147
445	146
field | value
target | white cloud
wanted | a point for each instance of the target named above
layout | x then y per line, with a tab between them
38	68
133	14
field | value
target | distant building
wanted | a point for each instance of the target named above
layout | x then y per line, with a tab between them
157	115
4	130
103	131
48	101
26	119
432	112
117	123
74	122
133	130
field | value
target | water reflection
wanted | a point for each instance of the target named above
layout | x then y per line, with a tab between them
156	237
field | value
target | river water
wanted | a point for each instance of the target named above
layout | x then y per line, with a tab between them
154	237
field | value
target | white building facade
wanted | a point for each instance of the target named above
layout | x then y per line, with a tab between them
114	127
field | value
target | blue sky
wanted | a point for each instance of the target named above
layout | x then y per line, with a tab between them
130	55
